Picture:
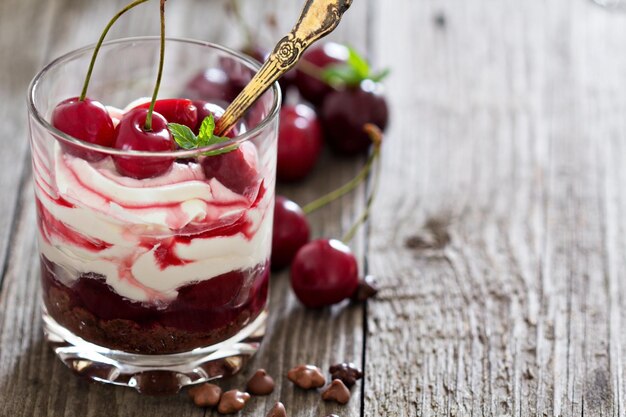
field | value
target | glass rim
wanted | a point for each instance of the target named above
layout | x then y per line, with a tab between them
181	153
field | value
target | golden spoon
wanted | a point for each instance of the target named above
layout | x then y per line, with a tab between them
318	19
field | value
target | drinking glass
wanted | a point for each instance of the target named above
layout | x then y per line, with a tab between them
161	282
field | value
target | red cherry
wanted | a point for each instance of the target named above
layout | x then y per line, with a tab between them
324	272
87	120
205	109
175	110
299	142
130	135
236	170
318	58
212	84
345	112
291	232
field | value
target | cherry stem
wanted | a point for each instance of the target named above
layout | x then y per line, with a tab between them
247	32
354	182
148	126
129	6
376	135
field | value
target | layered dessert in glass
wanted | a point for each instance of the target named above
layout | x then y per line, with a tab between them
161	274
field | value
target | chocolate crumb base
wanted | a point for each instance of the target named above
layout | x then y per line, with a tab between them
128	336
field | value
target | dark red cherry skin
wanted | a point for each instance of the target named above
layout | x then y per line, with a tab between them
299	142
236	170
212	85
87	120
346	111
324	272
130	135
319	57
175	110
291	231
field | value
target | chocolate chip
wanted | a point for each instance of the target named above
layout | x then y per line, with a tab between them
347	372
205	395
307	376
337	392
277	411
232	401
367	288
260	383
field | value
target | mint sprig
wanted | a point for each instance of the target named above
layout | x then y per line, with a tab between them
351	73
186	139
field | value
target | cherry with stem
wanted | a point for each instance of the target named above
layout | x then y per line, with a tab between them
86	119
145	130
324	271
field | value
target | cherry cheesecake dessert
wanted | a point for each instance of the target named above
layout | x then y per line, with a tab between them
153	256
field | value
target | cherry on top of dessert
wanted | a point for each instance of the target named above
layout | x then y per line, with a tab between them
176	110
130	134
237	170
87	120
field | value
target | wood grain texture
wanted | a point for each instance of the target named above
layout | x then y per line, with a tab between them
503	260
32	381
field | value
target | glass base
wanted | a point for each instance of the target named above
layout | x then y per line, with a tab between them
154	374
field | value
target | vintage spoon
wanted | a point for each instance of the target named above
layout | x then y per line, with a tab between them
318	19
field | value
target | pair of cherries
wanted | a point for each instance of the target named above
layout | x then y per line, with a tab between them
89	121
323	271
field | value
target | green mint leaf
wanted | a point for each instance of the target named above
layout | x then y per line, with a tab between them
207	131
379	76
358	63
337	75
183	136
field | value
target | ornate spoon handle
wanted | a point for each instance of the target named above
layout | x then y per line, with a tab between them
318	18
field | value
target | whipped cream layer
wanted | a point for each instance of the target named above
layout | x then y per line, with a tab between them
147	237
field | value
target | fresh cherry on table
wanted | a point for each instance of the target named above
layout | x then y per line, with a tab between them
324	272
130	134
175	110
299	142
291	231
87	120
237	169
317	58
346	111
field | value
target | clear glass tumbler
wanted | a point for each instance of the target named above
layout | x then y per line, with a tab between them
161	282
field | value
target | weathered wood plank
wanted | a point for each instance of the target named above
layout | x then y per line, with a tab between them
34	382
512	138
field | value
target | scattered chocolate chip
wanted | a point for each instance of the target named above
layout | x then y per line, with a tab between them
205	395
307	376
277	411
260	383
232	401
347	372
367	288
336	391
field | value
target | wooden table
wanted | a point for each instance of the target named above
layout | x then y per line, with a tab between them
499	234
